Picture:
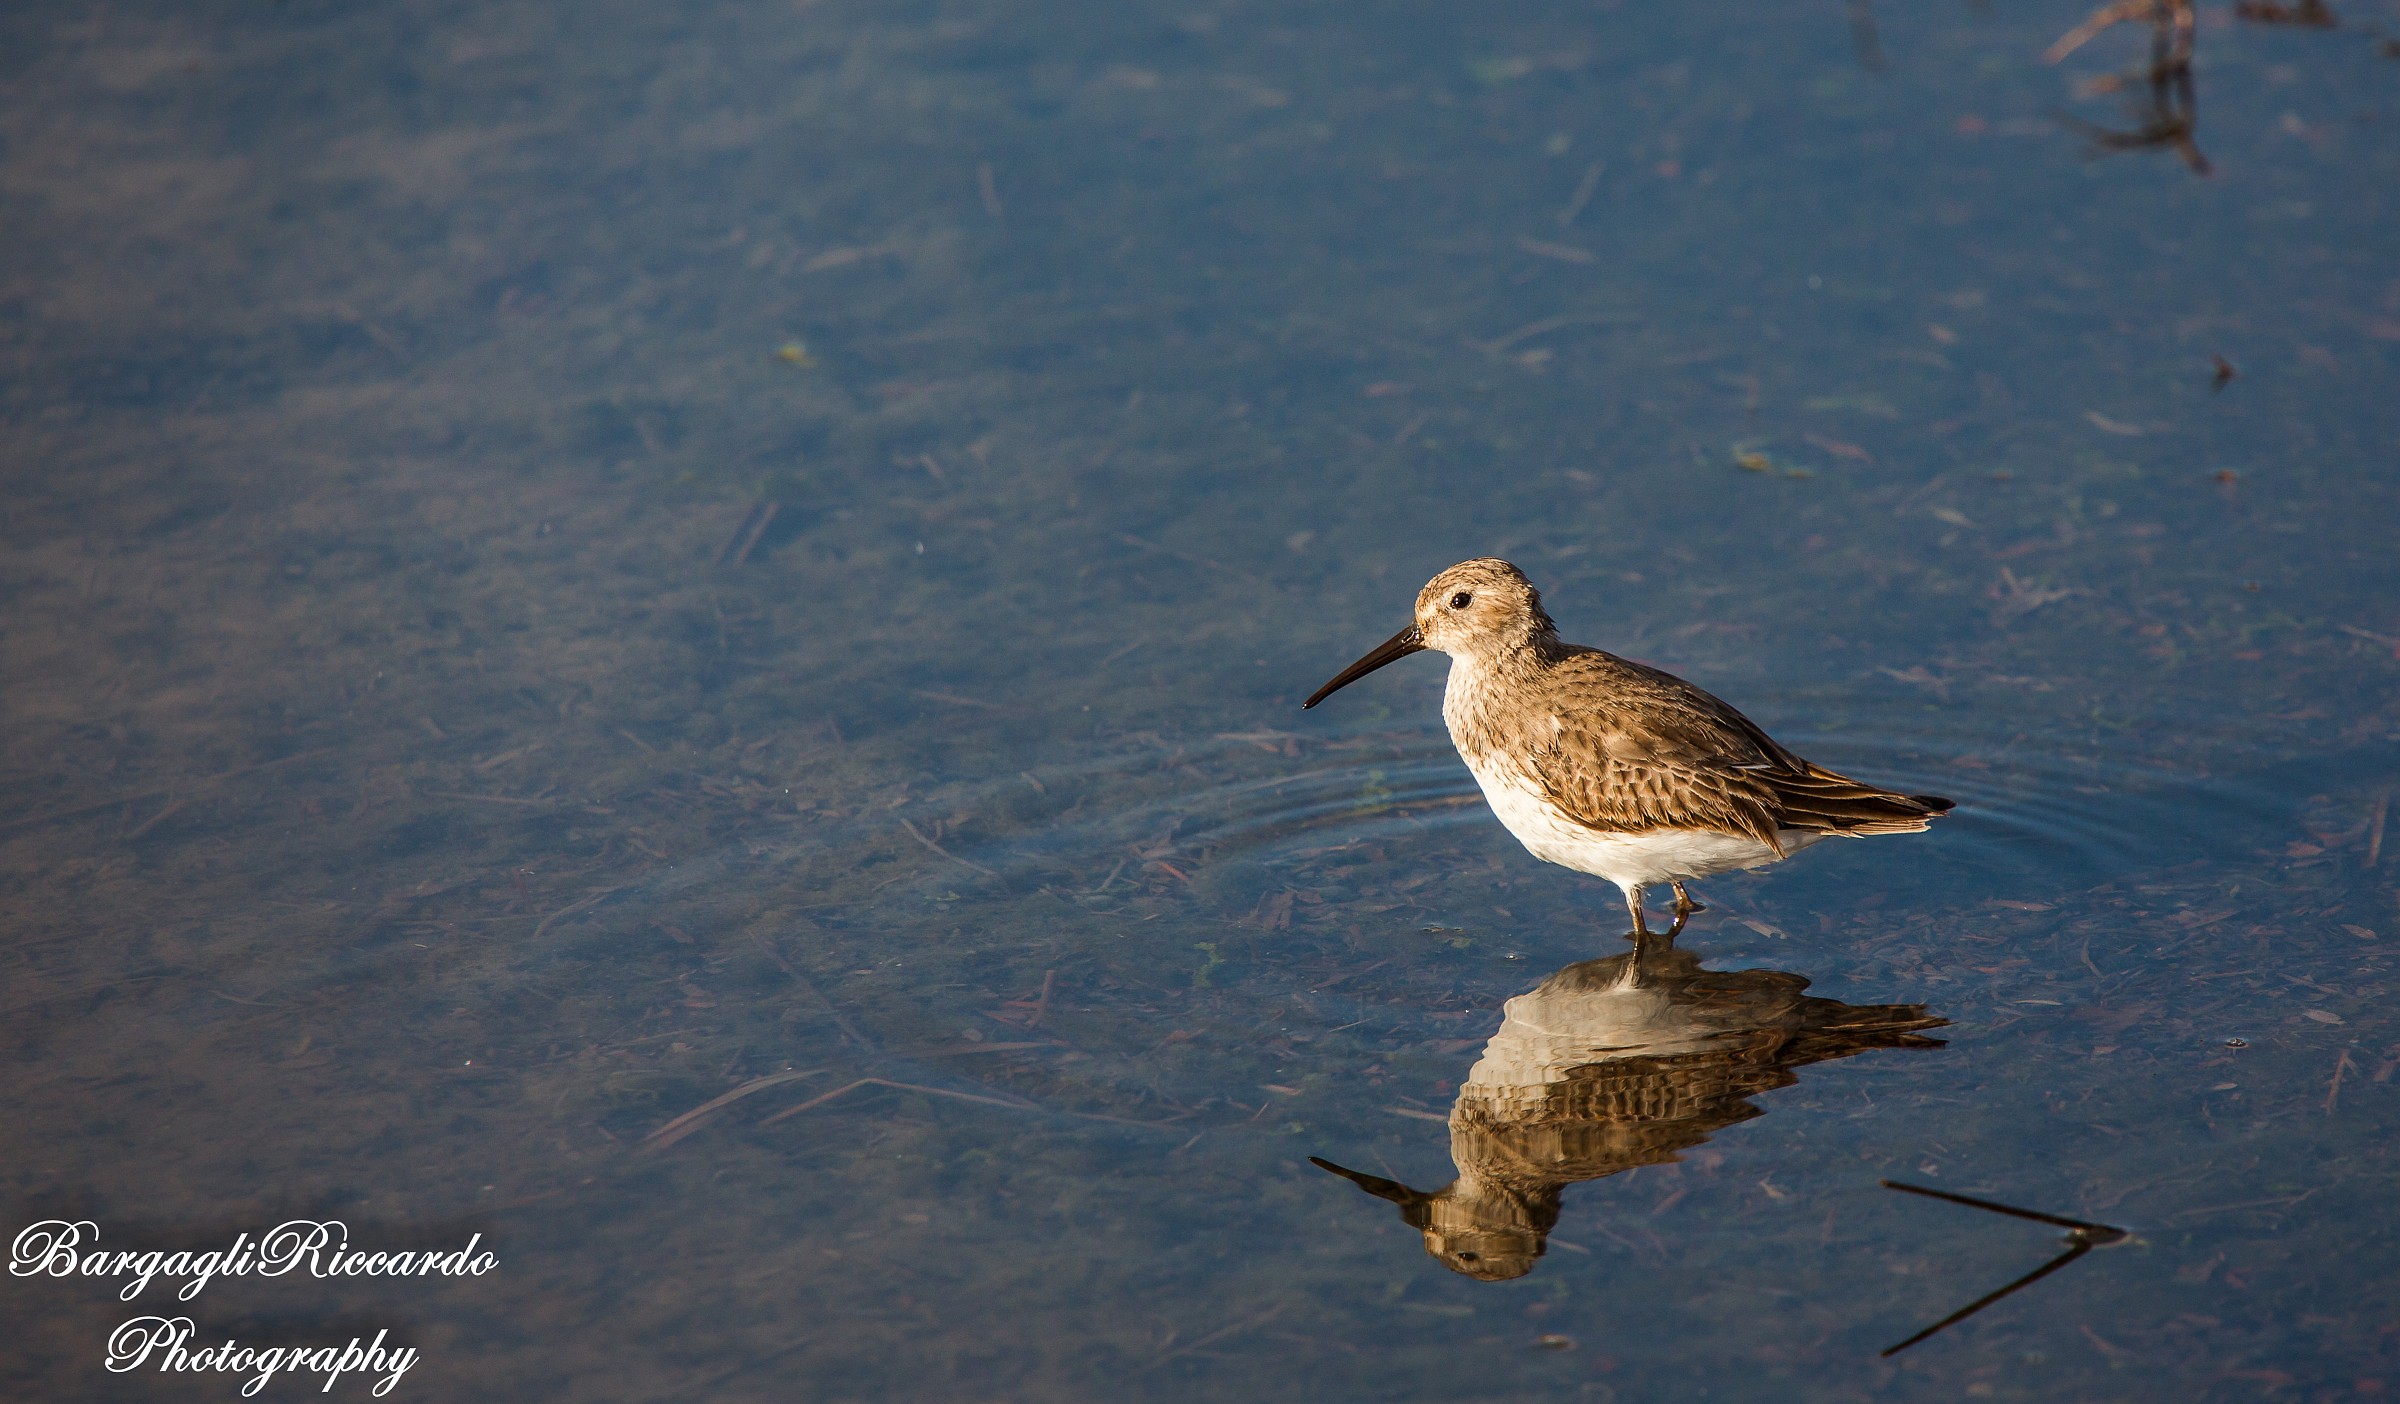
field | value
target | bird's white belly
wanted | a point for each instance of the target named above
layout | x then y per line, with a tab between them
1629	860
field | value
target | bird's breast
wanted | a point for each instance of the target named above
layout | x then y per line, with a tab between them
1477	709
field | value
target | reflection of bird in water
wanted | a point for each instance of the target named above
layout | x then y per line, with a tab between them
2170	116
1610	1064
1605	766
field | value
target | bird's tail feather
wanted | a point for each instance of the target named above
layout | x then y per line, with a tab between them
1821	801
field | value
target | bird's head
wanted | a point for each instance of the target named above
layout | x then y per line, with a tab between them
1478	1230
1480	609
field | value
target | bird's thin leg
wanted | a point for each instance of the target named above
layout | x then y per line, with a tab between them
1634	976
1684	905
1633	904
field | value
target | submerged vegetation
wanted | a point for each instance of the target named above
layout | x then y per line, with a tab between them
676	637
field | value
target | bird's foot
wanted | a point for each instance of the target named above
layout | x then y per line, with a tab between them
1644	934
1684	905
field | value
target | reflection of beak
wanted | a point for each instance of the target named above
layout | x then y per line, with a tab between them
1378	1186
1398	646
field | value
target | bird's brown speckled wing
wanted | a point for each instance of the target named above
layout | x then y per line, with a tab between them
1625	748
1622	748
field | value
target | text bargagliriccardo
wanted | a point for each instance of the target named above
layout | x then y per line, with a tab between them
313	1247
310	1248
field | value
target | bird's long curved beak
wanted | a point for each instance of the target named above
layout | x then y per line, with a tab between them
1398	646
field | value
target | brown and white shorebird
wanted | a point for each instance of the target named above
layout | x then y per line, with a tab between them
1608	767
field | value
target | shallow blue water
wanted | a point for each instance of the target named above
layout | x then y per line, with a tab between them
674	636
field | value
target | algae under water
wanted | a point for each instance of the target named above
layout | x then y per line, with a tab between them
673	635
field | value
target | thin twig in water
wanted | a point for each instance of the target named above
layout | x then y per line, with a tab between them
841	1021
1188	559
822	1098
946	853
2103	18
254	1004
772	954
2284	1201
737	547
1549	324
957	701
172	807
1213	1337
568	910
2333	1093
94	988
692	1120
487	799
1349	975
34	821
1583	193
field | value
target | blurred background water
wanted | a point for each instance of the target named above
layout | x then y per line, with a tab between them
564	562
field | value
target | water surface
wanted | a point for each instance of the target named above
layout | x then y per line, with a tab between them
562	562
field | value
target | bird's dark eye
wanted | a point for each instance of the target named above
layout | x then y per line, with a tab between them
1461	600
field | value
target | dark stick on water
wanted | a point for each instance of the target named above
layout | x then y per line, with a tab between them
2100	1234
2082	1237
2080	1246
